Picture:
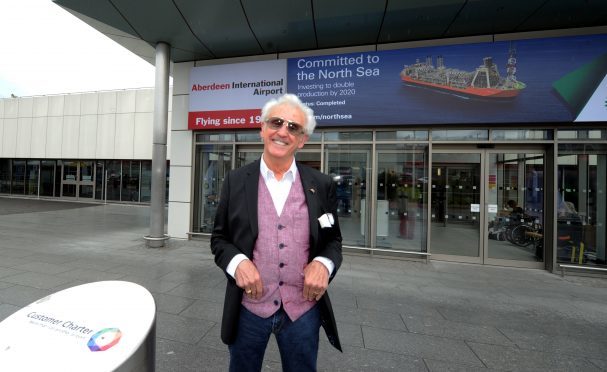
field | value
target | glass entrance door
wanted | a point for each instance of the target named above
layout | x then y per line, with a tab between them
212	164
515	208
402	182
69	179
487	206
47	178
77	179
86	179
455	210
348	165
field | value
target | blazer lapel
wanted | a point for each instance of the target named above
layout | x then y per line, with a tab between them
313	202
251	194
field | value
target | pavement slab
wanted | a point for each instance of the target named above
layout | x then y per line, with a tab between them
392	314
421	346
515	359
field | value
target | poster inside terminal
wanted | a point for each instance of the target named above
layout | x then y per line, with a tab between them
523	81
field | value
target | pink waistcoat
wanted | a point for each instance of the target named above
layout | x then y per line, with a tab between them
281	253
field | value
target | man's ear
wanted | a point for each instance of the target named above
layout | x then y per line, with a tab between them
303	141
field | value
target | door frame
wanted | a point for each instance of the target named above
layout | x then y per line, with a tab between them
90	182
76	182
483	257
368	226
500	261
374	185
457	150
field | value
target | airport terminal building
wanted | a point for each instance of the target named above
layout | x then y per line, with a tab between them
486	148
86	147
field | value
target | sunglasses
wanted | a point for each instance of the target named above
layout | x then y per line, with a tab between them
293	128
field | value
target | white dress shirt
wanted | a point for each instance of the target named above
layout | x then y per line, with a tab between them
279	191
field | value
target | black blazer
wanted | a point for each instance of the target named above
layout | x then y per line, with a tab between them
236	230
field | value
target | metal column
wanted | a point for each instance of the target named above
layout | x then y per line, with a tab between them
159	151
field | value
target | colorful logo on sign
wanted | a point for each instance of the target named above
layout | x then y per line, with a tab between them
104	339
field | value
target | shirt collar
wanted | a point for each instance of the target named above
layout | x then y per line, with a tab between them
266	173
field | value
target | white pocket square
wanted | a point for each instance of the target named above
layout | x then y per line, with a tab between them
326	220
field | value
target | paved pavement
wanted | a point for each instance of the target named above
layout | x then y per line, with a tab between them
392	315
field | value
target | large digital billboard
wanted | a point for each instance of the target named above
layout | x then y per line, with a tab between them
524	81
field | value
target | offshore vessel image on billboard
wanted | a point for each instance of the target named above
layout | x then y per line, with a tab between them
484	82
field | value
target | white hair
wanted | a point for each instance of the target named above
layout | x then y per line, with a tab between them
294	101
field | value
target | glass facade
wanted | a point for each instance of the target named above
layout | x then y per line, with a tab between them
466	195
47	177
455	187
580	204
527	198
349	157
18	177
5	176
350	165
129	191
212	163
31	177
516	189
401	197
83	180
82	146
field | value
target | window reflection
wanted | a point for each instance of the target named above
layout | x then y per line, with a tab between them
581	200
520	134
47	178
130	181
455	186
460	135
114	176
33	170
80	179
401	198
70	170
349	167
146	181
212	164
348	136
515	223
5	176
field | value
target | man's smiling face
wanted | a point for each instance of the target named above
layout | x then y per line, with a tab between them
279	144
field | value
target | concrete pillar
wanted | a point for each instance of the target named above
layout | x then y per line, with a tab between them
157	236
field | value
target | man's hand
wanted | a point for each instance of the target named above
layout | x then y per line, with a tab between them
316	281
248	278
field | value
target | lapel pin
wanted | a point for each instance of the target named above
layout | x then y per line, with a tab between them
312	191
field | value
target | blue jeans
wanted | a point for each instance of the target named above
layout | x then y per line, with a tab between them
297	341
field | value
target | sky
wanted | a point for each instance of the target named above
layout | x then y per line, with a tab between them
47	50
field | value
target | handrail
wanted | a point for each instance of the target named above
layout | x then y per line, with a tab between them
346	246
580	267
388	250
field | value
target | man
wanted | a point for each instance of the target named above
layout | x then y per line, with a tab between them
277	238
514	208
